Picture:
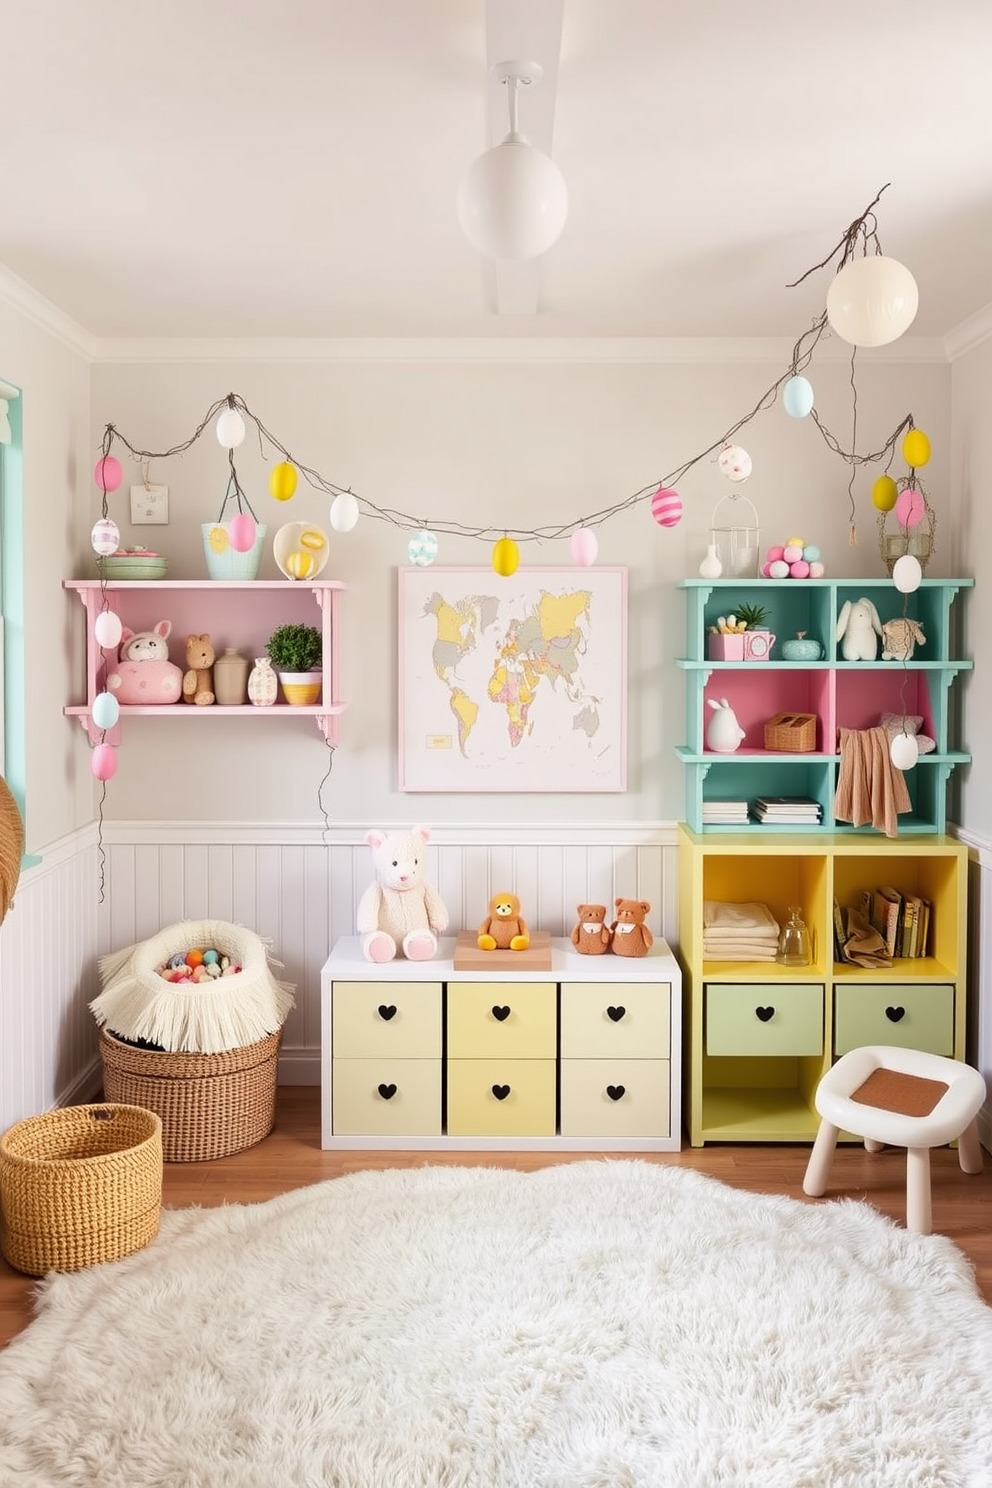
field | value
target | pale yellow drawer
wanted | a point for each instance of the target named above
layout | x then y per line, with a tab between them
397	1020
764	1018
527	1106
386	1097
600	1019
514	1020
615	1097
910	1017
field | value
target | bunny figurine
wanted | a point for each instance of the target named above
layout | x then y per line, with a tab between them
724	734
858	630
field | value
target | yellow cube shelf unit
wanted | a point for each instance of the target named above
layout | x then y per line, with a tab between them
758	1036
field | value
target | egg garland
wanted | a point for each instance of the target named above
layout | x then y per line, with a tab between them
344	512
794	559
584	546
506	557
282	481
884	493
916	448
422	548
797	397
910	507
105	537
666	507
107	473
734	462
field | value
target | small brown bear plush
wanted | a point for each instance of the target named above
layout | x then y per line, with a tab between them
631	936
591	936
504	928
198	679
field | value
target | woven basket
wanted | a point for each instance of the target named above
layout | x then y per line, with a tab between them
79	1186
211	1104
791	733
11	846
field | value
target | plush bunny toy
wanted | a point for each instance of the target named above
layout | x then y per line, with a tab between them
399	914
858	630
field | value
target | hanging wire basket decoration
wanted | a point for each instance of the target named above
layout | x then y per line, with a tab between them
917	540
737	543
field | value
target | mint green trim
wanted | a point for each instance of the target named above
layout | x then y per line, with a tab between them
12	589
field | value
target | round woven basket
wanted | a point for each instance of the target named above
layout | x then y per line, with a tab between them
79	1186
11	846
211	1104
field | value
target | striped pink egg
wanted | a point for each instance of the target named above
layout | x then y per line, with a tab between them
666	507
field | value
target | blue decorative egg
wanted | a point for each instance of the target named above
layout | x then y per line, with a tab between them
811	553
422	548
105	710
797	397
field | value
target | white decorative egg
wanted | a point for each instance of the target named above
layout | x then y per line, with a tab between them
735	462
422	548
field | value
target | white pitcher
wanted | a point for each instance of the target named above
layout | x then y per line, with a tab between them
723	733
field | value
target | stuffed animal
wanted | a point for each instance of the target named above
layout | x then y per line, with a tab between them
631	936
144	675
899	638
504	928
399	914
591	936
858	628
198	682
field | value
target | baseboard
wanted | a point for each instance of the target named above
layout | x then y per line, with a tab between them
299	1066
86	1087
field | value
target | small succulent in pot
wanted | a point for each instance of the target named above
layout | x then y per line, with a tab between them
295	648
753	615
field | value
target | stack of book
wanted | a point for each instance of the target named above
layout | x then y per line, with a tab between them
724	813
902	920
793	811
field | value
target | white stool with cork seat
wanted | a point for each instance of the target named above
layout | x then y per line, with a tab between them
900	1098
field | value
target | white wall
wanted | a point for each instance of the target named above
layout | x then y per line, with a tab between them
529	444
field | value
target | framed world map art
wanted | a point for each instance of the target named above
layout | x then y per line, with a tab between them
512	684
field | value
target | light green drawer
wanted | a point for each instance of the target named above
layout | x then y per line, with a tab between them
909	1017
755	1018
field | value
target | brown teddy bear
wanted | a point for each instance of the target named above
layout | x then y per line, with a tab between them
631	936
198	680
504	928
591	936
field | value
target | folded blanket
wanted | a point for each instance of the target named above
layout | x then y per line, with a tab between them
750	917
757	932
739	950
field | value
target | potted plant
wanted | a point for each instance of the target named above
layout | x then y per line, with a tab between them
297	653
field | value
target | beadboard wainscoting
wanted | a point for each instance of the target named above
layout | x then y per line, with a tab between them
980	969
300	887
48	974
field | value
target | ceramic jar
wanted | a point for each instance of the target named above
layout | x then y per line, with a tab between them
263	685
231	679
802	648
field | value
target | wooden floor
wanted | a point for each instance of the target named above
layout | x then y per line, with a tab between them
291	1157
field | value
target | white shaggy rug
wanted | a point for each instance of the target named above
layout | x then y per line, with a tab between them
599	1324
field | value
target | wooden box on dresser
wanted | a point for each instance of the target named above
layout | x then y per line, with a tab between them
758	1035
585	1056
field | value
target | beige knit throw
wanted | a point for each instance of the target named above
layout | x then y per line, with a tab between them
869	787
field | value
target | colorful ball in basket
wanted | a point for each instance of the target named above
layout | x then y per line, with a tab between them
422	548
666	507
910	507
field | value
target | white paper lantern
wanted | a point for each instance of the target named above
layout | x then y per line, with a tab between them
344	512
872	301
907	574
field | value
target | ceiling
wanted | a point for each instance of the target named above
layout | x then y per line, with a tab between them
288	168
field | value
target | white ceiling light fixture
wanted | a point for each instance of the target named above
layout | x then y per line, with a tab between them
513	201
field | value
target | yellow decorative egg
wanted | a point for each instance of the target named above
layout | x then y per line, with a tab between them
299	565
282	480
506	557
916	448
218	539
312	538
884	493
796	542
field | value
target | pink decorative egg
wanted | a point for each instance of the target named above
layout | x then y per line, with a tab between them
584	547
799	569
242	532
766	570
910	509
103	762
107	473
774	554
666	507
792	552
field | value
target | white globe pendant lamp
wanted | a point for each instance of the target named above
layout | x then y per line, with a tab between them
513	201
872	301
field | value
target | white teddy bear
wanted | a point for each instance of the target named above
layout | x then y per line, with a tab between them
400	915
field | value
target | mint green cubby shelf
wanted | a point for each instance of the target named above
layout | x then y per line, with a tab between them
841	694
